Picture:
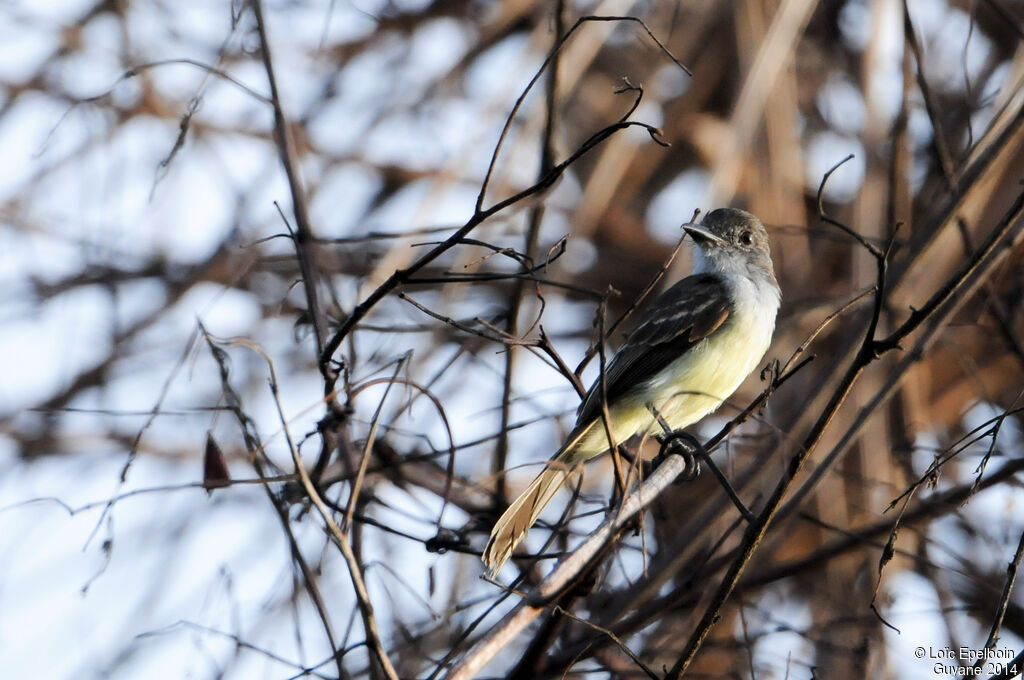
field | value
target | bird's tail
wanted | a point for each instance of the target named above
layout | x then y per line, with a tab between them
511	528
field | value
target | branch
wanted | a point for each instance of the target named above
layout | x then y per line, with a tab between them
304	231
564	574
340	537
688	594
255	448
964	281
401	276
553	55
1004	599
937	311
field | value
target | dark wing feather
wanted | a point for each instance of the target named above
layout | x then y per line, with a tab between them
677	319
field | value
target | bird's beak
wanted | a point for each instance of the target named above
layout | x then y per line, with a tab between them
702	235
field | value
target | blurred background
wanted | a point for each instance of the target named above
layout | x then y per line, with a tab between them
148	274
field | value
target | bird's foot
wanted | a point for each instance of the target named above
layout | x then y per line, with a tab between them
684	445
692	451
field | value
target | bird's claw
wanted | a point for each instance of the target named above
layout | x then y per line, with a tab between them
684	445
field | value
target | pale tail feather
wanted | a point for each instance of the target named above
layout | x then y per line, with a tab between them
513	524
511	528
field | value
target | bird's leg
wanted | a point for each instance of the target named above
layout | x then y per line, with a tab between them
684	444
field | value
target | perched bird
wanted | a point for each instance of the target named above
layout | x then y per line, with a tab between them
691	348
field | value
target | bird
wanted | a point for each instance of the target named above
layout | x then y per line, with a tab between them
689	351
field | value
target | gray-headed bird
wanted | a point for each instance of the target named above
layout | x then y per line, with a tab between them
691	348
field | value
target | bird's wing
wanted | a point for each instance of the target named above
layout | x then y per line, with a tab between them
677	319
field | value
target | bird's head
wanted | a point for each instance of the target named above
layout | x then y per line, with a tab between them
728	240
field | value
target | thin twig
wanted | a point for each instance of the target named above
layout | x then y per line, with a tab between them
824	216
931	106
551	56
1004	599
304	230
402	276
255	448
371	437
547	161
340	537
937	312
635	304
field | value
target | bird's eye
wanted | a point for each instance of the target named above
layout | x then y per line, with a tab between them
747	239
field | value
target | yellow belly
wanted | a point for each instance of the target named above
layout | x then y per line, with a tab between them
684	392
